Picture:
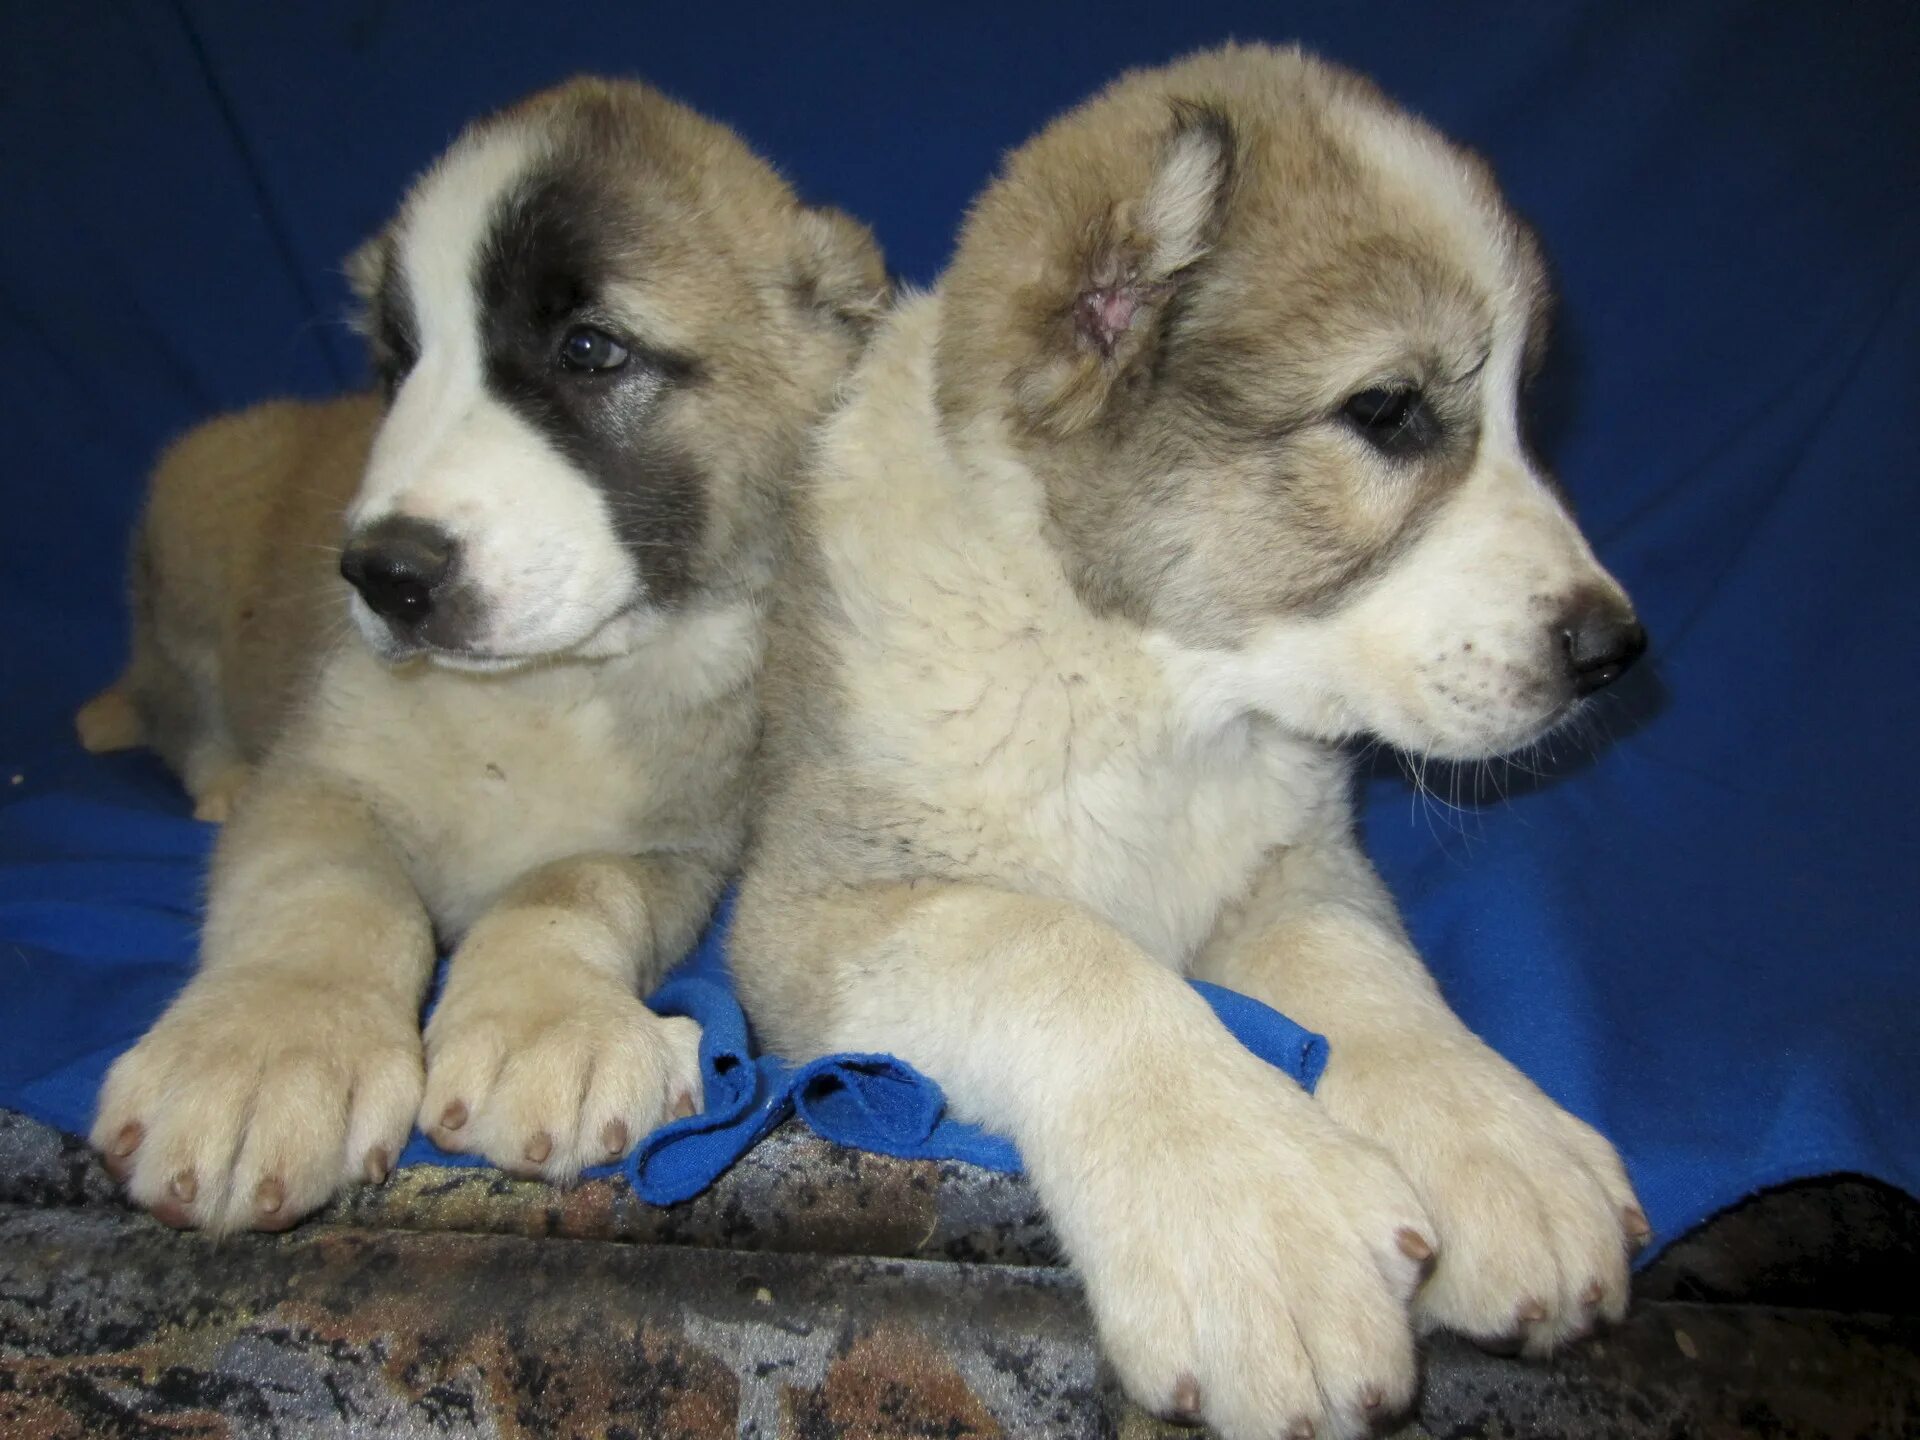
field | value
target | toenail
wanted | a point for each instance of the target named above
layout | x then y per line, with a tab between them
539	1148
454	1116
1639	1228
683	1105
170	1214
128	1140
377	1165
613	1137
1416	1248
269	1195
1372	1400
1593	1294
1186	1399
1302	1430
184	1186
1531	1312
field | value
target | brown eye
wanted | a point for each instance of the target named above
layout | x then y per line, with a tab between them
1395	419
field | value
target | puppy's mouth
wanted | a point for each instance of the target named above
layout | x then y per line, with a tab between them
397	648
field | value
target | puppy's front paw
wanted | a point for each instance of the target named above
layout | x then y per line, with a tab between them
255	1098
1536	1218
1248	1262
548	1069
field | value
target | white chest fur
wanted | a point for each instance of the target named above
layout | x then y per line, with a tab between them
485	777
1038	745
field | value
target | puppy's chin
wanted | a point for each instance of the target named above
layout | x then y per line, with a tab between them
1445	731
609	637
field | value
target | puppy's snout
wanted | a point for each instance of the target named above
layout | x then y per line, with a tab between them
1602	639
399	565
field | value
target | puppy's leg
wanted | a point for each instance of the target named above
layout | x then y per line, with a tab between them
110	721
170	697
290	1066
540	1055
1248	1262
1536	1217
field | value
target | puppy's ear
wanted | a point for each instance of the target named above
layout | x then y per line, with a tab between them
1126	266
365	268
837	272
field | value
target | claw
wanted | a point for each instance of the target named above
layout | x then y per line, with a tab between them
1639	1229
1417	1248
1186	1401
173	1214
613	1138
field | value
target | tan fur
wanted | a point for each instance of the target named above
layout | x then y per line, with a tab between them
235	581
1091	577
565	821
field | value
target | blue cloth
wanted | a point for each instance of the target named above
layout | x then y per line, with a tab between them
1698	935
98	943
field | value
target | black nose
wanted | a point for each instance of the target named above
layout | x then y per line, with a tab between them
397	565
1602	640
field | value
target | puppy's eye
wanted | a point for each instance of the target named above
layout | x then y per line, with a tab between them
585	348
1395	420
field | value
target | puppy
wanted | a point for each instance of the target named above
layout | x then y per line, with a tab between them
1202	459
520	723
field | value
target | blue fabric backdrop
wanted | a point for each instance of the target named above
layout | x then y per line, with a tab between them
1700	936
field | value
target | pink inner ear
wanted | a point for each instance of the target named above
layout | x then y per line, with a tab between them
1102	315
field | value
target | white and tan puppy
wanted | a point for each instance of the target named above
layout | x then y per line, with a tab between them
1202	459
605	328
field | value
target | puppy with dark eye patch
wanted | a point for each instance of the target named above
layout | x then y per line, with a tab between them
474	662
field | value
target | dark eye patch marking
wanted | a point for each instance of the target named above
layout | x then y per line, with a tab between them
554	242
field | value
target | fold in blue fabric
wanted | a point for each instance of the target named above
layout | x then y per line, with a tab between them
99	937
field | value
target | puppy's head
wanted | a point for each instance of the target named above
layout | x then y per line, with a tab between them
603	326
1262	336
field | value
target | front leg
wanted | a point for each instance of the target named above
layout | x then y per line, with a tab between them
1247	1261
290	1066
1536	1217
540	1055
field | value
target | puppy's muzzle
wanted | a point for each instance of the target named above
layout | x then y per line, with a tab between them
1601	641
401	567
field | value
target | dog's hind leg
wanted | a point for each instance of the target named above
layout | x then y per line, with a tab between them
177	691
110	721
1247	1261
169	697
